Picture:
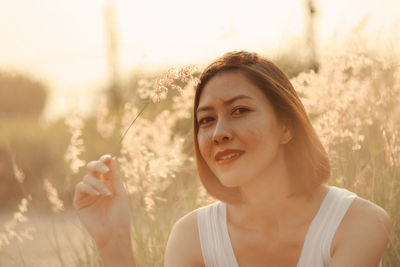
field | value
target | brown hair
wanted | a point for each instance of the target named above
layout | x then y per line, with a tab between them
306	159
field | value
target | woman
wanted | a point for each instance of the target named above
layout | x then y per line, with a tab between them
256	152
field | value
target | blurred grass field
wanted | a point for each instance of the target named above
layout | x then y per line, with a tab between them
353	101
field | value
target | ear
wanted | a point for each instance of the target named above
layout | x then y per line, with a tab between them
287	131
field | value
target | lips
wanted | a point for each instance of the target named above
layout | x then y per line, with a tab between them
228	154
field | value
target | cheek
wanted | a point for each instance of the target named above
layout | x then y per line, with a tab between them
257	131
204	139
263	133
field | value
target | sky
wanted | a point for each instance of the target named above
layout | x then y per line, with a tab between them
63	42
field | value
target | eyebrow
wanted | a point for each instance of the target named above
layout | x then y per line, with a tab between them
227	102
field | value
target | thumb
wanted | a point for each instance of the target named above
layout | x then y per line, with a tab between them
113	175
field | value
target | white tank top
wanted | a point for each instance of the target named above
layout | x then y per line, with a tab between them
217	249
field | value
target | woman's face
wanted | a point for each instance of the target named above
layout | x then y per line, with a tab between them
239	135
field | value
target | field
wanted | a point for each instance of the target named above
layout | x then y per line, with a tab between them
56	239
353	102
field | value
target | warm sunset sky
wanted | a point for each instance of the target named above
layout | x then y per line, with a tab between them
62	42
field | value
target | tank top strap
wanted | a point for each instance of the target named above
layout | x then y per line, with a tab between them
317	244
214	237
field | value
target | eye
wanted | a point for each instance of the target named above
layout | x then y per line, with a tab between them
205	120
239	110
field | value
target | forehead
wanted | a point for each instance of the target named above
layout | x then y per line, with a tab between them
227	85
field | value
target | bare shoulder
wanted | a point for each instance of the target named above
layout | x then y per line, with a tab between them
366	213
183	247
362	236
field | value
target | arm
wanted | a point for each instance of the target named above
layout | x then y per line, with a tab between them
102	204
362	237
183	247
117	253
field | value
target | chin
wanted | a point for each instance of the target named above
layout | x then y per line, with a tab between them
231	181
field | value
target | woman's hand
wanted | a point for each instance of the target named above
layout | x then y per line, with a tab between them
101	202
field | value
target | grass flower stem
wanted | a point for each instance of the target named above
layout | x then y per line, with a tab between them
20	253
8	256
57	243
133	121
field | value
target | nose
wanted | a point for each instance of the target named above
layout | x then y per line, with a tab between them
222	132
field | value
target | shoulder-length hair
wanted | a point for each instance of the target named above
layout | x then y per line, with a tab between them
306	159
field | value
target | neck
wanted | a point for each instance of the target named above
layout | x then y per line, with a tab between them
269	200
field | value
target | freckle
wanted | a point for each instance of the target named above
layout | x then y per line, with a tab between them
254	132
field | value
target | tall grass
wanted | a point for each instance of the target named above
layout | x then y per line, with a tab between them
354	105
353	102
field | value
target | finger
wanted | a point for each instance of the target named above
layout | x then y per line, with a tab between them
85	195
106	159
96	184
96	168
113	175
83	188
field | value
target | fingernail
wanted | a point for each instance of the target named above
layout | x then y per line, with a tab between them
104	168
108	192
